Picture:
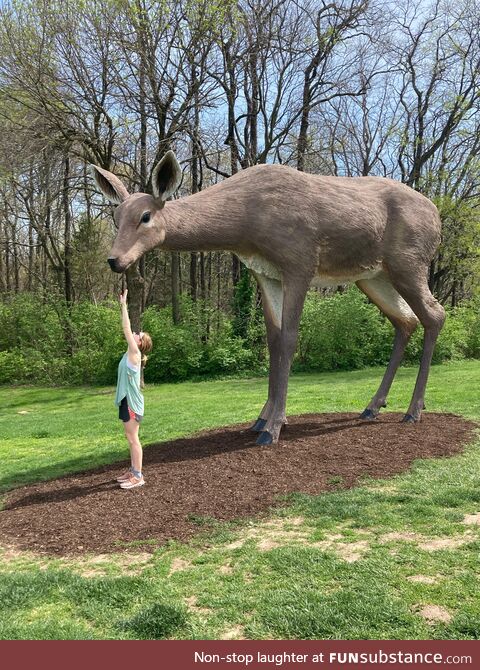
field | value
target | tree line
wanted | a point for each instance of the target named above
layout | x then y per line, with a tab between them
347	88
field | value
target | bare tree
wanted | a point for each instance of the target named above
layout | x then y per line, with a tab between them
440	54
324	75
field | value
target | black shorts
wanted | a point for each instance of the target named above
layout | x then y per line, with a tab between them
125	413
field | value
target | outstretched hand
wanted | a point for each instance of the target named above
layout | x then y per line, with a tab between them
123	297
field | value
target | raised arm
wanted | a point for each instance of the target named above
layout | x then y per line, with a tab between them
133	350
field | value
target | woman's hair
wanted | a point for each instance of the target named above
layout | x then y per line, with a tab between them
145	346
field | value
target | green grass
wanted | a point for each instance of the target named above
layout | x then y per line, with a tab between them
223	584
68	430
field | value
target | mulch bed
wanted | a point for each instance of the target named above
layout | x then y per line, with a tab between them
220	474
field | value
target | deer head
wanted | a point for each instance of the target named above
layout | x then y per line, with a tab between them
138	216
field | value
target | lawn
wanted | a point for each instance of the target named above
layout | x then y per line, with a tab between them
391	559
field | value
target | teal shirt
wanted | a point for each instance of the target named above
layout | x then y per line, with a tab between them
128	385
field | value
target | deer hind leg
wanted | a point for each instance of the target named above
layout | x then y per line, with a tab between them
294	292
381	292
414	289
272	303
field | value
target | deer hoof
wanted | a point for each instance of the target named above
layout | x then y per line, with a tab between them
259	425
408	418
265	438
367	415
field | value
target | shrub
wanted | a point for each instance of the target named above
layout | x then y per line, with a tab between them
177	350
458	338
98	344
49	344
345	331
342	332
31	337
11	366
184	351
46	343
27	321
226	354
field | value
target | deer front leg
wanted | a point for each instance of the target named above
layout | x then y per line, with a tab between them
272	299
273	340
293	298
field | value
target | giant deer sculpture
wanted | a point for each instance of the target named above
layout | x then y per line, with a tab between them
294	230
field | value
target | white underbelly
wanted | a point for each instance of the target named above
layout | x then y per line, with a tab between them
260	266
324	281
270	279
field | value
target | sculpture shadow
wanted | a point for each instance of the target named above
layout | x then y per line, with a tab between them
203	446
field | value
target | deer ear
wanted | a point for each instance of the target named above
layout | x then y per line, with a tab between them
111	186
166	176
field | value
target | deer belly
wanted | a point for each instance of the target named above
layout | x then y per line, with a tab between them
270	280
322	280
260	266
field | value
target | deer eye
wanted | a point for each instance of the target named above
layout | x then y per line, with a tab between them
145	217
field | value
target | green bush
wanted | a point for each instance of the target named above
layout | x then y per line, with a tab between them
184	351
98	344
345	331
459	338
177	350
27	321
469	316
31	335
11	365
45	343
342	332
226	354
48	344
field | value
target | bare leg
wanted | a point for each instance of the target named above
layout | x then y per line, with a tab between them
431	314
136	453
293	298
389	301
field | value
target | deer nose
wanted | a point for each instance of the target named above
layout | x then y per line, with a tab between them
112	262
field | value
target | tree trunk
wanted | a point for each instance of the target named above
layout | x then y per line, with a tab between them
143	150
31	257
193	276
7	260
175	270
67	235
2	269
195	186
302	135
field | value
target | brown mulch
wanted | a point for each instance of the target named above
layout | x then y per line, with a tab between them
220	474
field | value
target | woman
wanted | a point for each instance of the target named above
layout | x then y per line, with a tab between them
129	397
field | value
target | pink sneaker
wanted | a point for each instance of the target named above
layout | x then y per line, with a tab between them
132	482
125	476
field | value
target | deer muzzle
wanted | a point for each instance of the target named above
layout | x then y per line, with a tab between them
114	265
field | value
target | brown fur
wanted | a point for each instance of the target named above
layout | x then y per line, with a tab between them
337	225
293	229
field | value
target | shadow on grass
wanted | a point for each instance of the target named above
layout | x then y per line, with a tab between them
201	446
62	470
41	397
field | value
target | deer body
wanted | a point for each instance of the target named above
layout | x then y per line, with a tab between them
294	230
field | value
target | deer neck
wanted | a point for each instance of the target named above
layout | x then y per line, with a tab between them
195	224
